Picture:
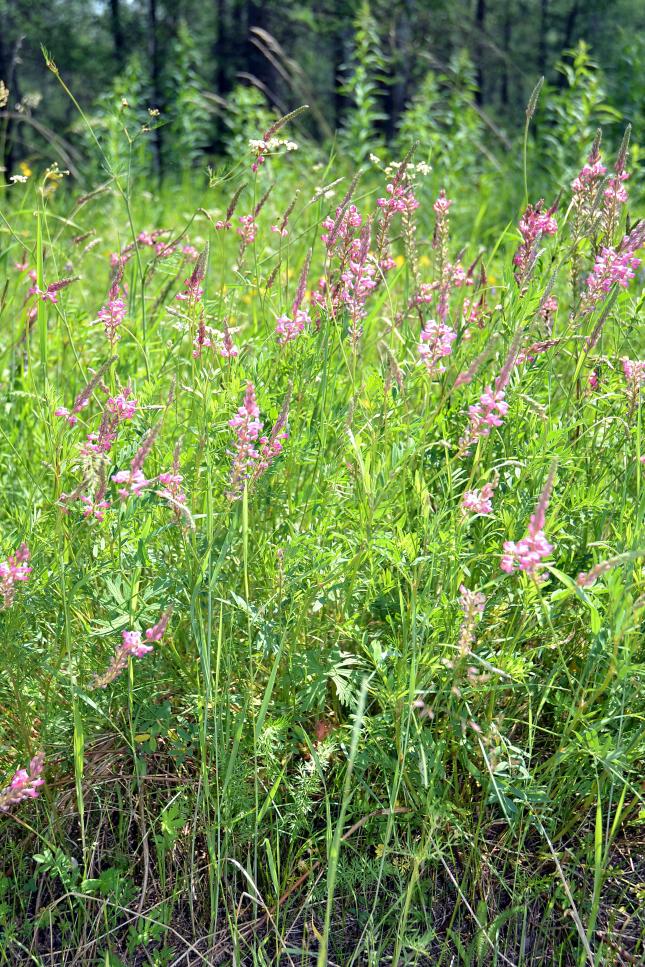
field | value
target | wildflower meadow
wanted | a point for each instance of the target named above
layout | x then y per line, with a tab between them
322	543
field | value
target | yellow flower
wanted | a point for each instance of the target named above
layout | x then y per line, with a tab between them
25	169
398	260
424	261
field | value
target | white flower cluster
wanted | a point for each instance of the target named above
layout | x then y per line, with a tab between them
273	144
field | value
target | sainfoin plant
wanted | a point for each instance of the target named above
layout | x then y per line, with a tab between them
322	564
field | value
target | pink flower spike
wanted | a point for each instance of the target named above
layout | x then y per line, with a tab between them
533	224
112	315
528	554
63	412
24	784
478	501
122	406
248	229
157	631
436	342
14	570
247	427
132	644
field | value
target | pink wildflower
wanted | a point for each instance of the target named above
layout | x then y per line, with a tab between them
63	412
472	604
533	224
358	281
164	250
131	647
486	414
135	482
247	230
24	785
94	508
112	315
122	406
14	570
402	199
288	329
478	501
612	267
436	342
49	294
132	644
228	349
271	447
247	427
157	631
442	204
586	185
492	406
634	371
527	554
342	227
173	490
615	192
585	181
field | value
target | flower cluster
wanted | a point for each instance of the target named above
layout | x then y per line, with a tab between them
24	785
247	230
158	630
14	570
484	415
123	406
634	372
112	315
357	281
584	184
533	224
132	646
263	147
134	481
472	604
341	229
253	454
271	447
492	406
478	501
585	188
290	327
402	199
612	267
527	554
193	290
347	241
435	343
50	293
247	427
172	483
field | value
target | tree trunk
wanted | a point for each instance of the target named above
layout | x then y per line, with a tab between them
153	50
544	23
117	33
480	22
506	40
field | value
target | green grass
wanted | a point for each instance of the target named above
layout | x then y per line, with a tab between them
262	788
